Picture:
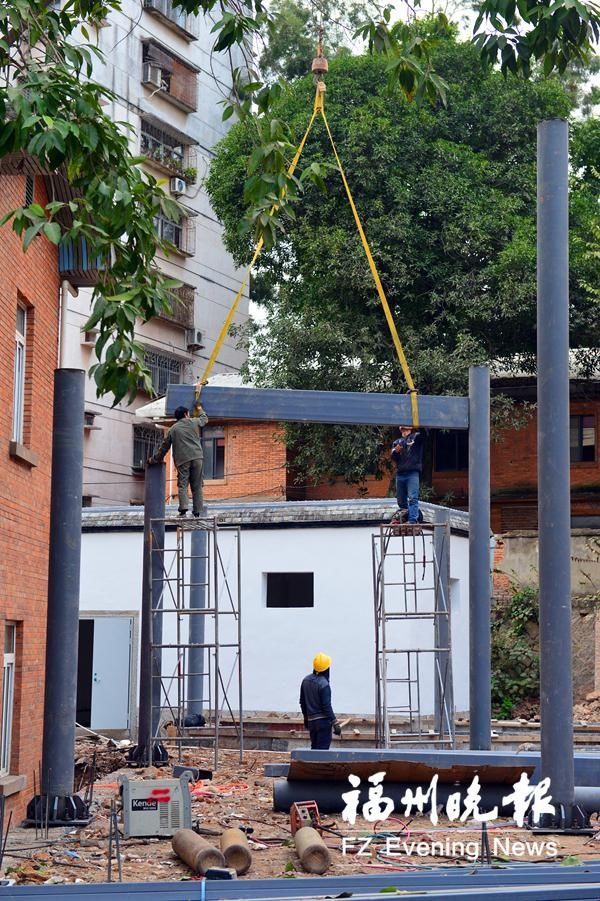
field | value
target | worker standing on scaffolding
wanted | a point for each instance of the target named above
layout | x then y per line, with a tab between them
407	454
184	437
315	701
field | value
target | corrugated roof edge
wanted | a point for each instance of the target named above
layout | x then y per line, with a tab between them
275	513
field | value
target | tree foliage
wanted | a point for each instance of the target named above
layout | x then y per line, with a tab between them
51	110
448	199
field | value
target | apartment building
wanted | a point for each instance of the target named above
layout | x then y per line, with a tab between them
168	87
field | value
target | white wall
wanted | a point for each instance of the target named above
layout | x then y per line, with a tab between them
278	644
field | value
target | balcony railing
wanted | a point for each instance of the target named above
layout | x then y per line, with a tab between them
182	307
76	265
182	21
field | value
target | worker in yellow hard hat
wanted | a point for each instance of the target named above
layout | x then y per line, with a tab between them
315	701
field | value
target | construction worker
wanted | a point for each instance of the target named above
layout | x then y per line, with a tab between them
315	701
407	454
184	438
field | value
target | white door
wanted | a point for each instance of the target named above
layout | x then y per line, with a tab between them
111	669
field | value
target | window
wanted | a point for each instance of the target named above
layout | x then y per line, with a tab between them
164	370
181	234
169	76
583	438
184	22
146	441
451	451
19	376
8	695
29	190
164	148
213	445
290	590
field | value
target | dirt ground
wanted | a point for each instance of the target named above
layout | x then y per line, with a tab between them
241	795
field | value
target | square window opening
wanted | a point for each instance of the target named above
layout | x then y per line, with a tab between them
290	589
582	429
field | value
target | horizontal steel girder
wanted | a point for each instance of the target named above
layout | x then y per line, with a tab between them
335	407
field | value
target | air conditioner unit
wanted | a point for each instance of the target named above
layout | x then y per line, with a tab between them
194	340
152	75
178	185
153	807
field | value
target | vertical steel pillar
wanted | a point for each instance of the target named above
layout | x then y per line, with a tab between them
554	502
198	588
444	691
479	559
151	624
58	804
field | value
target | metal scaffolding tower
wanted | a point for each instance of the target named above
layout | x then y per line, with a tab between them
195	643
412	634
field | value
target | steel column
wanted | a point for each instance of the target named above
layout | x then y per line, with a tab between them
479	559
151	620
444	690
198	601
57	804
554	503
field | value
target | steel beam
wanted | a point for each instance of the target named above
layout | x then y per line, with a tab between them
337	407
198	601
480	704
554	501
443	685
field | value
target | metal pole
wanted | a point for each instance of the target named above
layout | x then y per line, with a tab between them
554	502
62	637
479	559
198	562
150	632
444	694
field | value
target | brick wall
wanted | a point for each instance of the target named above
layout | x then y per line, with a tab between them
514	476
31	279
254	465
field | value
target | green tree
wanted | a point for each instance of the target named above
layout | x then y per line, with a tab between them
448	199
52	110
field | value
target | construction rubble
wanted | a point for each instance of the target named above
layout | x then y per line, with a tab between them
239	796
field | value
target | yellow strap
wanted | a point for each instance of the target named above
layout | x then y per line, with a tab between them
226	325
386	307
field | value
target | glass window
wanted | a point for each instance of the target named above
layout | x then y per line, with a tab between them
451	451
583	438
213	445
146	442
19	376
8	695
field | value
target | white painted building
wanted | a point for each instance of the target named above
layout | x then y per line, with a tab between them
168	85
328	542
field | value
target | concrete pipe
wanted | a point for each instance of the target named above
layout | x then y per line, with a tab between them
312	851
194	850
236	851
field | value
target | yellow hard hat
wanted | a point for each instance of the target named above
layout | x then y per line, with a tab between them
321	662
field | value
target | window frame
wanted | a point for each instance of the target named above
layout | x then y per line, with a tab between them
581	415
456	434
19	377
8	698
215	436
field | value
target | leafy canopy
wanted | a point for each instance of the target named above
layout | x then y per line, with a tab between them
447	196
51	109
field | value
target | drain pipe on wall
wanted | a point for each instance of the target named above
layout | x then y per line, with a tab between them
66	288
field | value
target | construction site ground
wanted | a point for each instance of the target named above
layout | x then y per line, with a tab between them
240	794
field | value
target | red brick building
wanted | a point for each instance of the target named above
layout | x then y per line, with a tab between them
29	314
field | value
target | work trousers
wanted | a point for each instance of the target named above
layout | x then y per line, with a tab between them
320	735
407	493
190	473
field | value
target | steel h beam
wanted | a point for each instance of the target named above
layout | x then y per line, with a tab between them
57	803
336	407
554	502
151	625
479	560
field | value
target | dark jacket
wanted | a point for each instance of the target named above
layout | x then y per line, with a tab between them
184	438
315	698
407	453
